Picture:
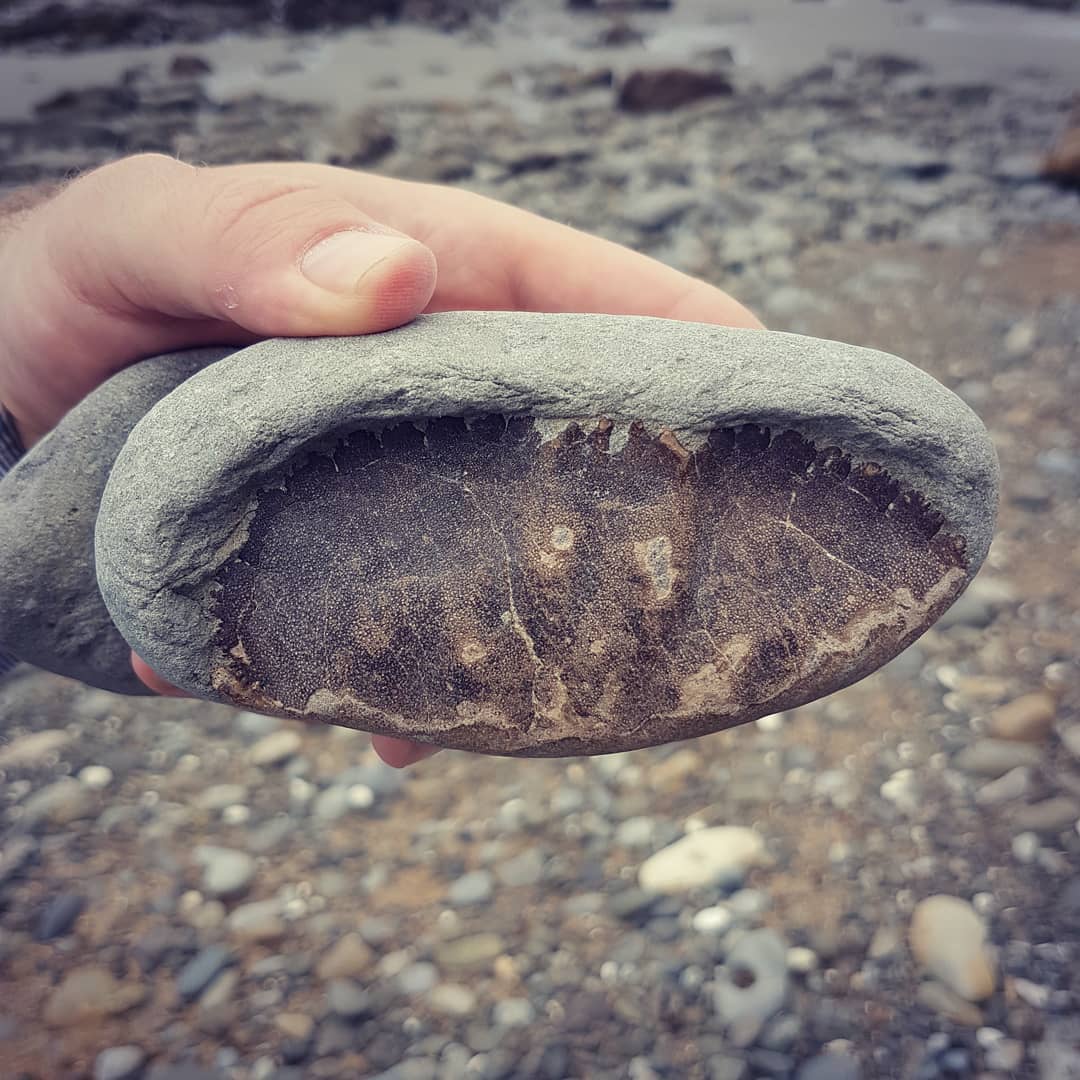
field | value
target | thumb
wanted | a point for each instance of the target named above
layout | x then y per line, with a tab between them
271	255
162	255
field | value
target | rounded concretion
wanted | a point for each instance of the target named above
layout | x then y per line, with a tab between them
541	535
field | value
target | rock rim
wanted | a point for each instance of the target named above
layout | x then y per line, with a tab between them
51	613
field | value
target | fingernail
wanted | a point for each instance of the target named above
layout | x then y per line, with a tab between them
341	261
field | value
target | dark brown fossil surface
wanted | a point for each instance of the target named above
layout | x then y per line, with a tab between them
478	585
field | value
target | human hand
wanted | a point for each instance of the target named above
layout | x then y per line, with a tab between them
148	255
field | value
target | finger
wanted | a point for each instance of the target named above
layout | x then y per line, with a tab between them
153	680
400	753
156	254
492	255
397	753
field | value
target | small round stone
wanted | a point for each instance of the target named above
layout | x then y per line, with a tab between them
275	748
719	855
713	920
948	939
119	1063
225	872
514	1012
801	960
96	777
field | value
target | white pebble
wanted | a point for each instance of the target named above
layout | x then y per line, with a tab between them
1038	997
96	777
713	920
721	854
801	960
1025	847
360	797
771	723
237	814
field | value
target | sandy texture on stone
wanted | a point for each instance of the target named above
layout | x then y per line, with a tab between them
184	501
51	613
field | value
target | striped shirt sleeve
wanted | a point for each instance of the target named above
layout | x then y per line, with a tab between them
11	450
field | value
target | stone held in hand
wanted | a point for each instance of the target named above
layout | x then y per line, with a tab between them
529	534
542	534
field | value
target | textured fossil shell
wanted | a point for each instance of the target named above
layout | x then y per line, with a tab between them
542	534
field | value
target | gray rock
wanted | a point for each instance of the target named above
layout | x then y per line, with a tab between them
524	869
35	749
891	154
331	804
658	209
513	1012
1058	1054
727	1067
59	803
15	854
201	970
955	226
275	748
474	950
51	613
636	832
60	915
752	985
829	1067
1050	815
119	1063
476	887
335	1035
996	757
257	921
169	541
348	999
417	978
1013	785
225	872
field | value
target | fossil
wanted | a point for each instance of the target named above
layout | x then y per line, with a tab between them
527	534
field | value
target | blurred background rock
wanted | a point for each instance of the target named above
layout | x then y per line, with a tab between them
188	892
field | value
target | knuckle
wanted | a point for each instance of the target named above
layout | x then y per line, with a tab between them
131	182
137	170
245	214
